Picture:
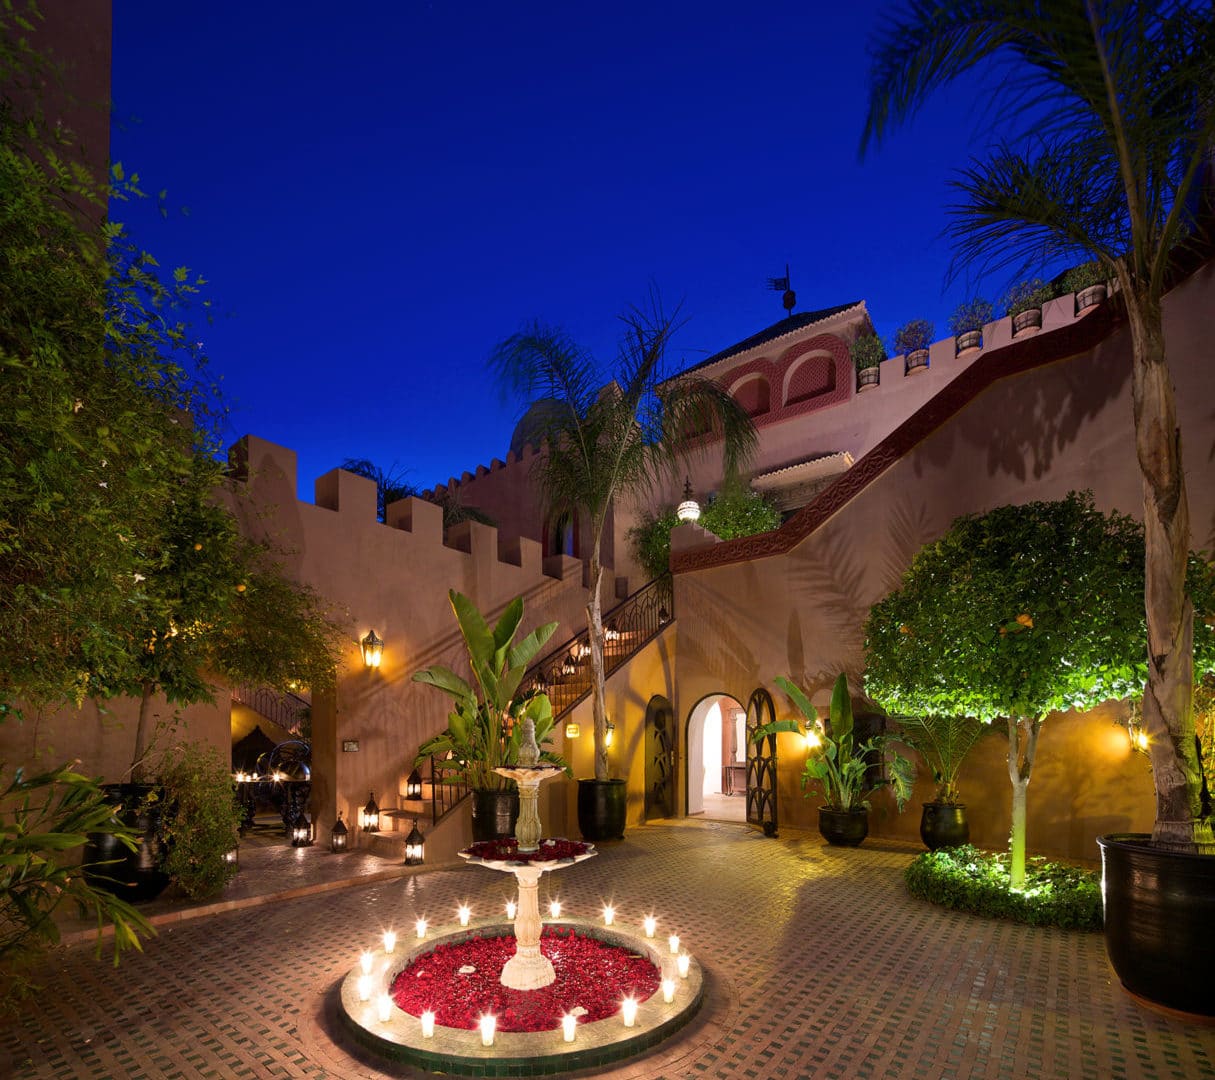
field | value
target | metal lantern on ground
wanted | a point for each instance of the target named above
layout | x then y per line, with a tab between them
301	831
339	836
689	509
373	650
415	846
413	785
369	816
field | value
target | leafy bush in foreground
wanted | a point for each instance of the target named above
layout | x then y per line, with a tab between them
966	879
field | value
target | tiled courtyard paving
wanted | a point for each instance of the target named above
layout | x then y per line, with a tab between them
819	965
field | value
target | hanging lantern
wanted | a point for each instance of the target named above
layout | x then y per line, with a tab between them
413	785
689	510
415	846
339	836
301	831
373	650
369	816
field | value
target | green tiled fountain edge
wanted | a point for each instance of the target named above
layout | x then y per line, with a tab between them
516	1053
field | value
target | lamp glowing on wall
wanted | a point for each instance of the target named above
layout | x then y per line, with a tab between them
413	785
609	734
415	846
339	836
573	729
373	649
369	816
689	510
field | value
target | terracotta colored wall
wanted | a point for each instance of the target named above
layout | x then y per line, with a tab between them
1054	429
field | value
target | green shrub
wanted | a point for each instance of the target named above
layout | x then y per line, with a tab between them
970	315
1026	295
867	351
966	879
1082	277
201	819
913	336
733	513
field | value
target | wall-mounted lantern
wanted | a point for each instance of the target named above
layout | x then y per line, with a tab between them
415	846
609	734
573	729
339	836
689	509
373	650
413	785
369	816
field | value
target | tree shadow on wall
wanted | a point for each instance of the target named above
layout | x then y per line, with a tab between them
726	629
1020	424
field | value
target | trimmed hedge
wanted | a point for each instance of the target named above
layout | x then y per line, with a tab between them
966	879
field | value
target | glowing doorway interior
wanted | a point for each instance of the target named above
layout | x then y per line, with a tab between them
717	759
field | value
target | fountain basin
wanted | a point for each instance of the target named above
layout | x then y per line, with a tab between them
543	1053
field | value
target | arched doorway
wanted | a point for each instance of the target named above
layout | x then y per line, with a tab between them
717	759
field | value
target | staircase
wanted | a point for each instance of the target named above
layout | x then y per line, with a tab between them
289	711
565	676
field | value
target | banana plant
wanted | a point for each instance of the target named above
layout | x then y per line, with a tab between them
484	729
835	765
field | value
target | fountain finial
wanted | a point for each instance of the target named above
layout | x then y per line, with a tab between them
529	752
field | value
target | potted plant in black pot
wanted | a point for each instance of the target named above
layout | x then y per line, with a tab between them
912	340
844	772
483	730
943	742
1024	306
966	324
867	353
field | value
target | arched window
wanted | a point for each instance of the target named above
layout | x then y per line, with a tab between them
813	376
753	395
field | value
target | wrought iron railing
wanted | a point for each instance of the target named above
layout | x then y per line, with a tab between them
565	673
289	711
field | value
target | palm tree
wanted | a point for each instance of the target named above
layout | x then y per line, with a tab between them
391	485
1120	95
602	443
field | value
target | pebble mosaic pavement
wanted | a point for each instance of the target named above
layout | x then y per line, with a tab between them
818	965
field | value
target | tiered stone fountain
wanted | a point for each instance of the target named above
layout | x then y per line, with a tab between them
378	1024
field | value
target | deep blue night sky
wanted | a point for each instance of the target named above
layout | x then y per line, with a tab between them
380	192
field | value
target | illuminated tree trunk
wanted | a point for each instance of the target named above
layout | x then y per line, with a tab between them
594	622
141	730
1022	745
1168	697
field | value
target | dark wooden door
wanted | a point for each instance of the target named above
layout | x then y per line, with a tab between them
761	764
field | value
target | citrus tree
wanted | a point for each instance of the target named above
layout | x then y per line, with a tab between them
1016	614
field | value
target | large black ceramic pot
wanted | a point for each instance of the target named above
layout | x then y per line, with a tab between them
944	825
133	876
843	828
494	814
601	809
1159	914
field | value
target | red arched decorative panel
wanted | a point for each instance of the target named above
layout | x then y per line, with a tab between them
810	377
754	394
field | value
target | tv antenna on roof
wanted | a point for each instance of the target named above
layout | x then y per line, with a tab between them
781	284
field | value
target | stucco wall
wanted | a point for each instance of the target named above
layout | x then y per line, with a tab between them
1038	435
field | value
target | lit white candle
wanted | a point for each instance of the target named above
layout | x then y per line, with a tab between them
609	914
364	988
651	924
365	962
390	940
384	1008
487	1029
511	908
569	1023
554	909
673	942
420	927
684	963
428	1024
628	1010
464	912
668	990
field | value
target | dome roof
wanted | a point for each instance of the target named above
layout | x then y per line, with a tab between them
539	418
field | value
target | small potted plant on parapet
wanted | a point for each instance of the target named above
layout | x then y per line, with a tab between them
966	324
867	353
943	742
1089	281
1024	306
841	771
912	340
483	730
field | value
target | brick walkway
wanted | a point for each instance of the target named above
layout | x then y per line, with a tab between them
819	966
